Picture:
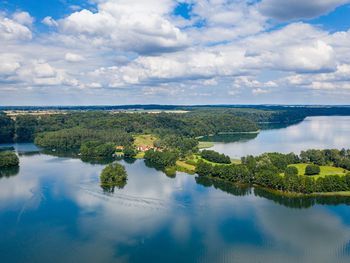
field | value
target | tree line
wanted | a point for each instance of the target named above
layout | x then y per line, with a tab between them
215	157
271	170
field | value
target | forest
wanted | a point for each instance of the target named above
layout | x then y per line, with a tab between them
71	130
274	171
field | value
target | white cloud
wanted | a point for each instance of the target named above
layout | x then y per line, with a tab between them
49	21
143	49
297	47
13	30
71	57
127	25
23	18
44	70
295	9
9	64
318	56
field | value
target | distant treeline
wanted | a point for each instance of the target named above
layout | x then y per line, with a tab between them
69	131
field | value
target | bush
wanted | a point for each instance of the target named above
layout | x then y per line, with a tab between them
8	159
312	169
291	170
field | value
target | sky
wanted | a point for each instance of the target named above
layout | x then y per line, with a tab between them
117	52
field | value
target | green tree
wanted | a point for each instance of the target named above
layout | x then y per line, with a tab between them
25	128
129	152
7	129
8	159
291	170
312	169
113	175
215	157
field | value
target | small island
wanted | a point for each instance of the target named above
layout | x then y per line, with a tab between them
113	175
8	159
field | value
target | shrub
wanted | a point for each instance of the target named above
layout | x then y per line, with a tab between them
312	169
291	170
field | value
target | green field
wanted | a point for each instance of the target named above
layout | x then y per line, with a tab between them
145	140
205	145
140	155
185	167
325	170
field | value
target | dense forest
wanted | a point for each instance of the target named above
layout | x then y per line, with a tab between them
272	170
69	131
7	129
215	157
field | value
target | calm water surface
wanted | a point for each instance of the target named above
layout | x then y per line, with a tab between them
313	132
53	210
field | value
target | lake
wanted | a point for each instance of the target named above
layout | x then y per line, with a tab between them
312	133
53	210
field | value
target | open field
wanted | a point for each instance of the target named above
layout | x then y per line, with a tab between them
140	155
145	140
13	114
205	145
325	170
185	167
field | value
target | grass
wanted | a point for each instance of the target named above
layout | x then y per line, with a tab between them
185	167
140	155
236	161
195	158
325	170
145	140
205	145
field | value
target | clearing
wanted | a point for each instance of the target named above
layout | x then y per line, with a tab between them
325	170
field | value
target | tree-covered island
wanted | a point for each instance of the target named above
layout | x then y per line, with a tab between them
113	175
8	159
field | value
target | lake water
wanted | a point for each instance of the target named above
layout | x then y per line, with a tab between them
312	133
53	210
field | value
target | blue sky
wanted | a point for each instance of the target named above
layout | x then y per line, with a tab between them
66	52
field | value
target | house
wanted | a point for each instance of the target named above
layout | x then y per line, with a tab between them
144	148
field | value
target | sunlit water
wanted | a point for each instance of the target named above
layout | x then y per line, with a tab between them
53	210
312	133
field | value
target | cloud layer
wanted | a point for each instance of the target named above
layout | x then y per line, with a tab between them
217	52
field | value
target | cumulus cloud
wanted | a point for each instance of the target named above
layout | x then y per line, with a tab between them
224	20
144	50
128	25
23	18
15	29
296	9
